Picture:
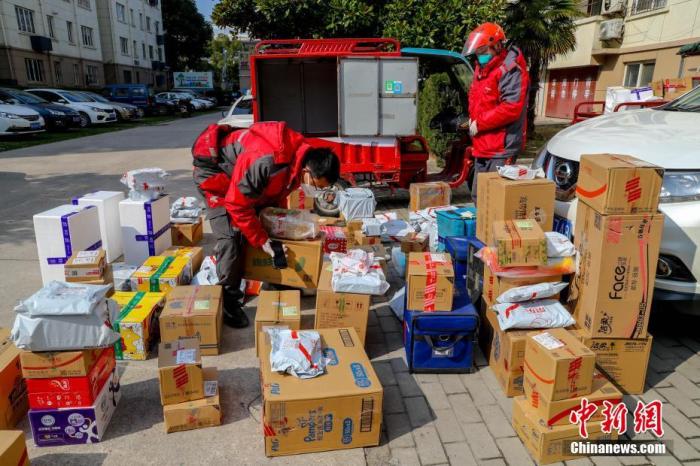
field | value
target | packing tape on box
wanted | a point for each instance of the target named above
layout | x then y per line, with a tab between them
430	283
302	197
68	246
76	200
154	280
150	235
119	346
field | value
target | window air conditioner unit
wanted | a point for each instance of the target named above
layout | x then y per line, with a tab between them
612	29
609	7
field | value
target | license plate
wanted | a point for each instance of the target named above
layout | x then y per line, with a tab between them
35	125
563	225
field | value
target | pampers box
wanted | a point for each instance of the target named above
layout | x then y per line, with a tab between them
62	231
145	228
107	203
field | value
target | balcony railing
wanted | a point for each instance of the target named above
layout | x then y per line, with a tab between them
642	6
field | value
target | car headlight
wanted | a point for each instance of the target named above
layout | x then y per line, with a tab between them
680	186
97	109
11	116
56	112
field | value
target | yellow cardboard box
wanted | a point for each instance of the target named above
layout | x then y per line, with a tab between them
180	371
277	309
13	389
196	414
137	323
429	281
194	311
195	254
13	448
303	264
161	274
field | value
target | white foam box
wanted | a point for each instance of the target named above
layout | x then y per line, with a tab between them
107	203
62	231
145	228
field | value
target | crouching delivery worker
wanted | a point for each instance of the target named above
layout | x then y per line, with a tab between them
239	172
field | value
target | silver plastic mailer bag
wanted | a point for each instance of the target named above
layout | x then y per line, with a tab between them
356	203
297	352
61	298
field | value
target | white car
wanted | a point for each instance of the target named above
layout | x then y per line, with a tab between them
240	115
17	119
91	113
668	136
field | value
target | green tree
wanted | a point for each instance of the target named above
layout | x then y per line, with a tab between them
434	99
216	59
187	35
542	29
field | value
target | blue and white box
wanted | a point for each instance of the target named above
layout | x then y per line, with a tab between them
145	228
107	203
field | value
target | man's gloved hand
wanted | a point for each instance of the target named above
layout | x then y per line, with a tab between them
267	247
473	130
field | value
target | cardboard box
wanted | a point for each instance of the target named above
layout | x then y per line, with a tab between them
72	392
13	389
298	199
519	243
13	448
330	221
60	232
277	309
426	272
196	414
334	239
494	286
625	361
339	409
137	323
619	184
180	371
59	363
550	444
187	234
335	310
145	228
611	293
194	254
363	240
85	266
556	413
415	242
77	425
671	88
107	204
506	355
161	274
558	364
504	199
304	260
194	311
433	194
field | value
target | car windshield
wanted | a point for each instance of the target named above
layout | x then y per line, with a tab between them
96	97
75	97
87	95
26	97
689	102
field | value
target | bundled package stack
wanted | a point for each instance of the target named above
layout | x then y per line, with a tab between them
617	234
107	204
189	392
65	330
89	267
186	220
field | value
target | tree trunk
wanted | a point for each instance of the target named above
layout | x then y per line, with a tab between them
534	72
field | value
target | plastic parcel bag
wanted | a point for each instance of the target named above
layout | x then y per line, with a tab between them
297	352
559	245
520	172
356	203
145	184
289	224
544	313
357	272
185	210
64	317
207	273
520	294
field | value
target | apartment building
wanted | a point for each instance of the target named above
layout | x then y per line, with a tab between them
622	43
50	43
131	33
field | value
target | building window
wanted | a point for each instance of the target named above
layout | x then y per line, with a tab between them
25	19
91	76
84	4
642	6
150	52
69	28
57	72
138	77
35	70
127	76
133	18
86	32
148	24
49	26
141	21
143	50
76	74
135	50
160	54
121	13
591	7
639	74
157	27
124	43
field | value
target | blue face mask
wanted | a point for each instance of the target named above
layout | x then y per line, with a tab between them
484	59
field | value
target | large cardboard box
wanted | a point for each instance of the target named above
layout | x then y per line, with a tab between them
187	234
137	323
304	260
194	254
506	355
625	361
79	424
363	240
335	310
160	274
556	413
145	228
194	311
558	364
619	184
277	309
196	414
429	281
503	199
414	242
339	409
180	371
519	243
671	88
59	363
432	194
85	266
494	285
107	203
13	389
13	448
550	444
60	232
611	293
298	199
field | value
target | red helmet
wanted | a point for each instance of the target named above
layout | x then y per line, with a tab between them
484	34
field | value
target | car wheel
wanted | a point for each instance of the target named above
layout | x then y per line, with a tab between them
329	209
84	120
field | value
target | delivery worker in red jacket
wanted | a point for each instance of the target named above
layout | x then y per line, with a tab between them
497	99
239	172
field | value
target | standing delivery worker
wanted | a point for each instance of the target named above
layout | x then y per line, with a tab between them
239	172
497	100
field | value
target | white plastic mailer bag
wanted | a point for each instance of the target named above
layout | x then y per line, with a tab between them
297	352
357	272
61	298
520	172
394	230
398	261
396	303
520	294
544	313
207	273
559	245
289	224
121	274
185	210
145	184
356	203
